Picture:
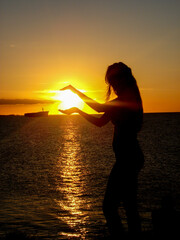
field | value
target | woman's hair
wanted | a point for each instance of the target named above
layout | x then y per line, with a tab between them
119	76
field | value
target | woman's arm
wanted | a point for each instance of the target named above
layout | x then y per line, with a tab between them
99	122
98	107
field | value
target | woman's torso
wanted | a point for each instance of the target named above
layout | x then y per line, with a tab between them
127	123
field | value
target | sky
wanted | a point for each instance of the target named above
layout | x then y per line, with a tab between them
48	44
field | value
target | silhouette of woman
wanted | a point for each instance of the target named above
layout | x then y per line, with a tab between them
126	114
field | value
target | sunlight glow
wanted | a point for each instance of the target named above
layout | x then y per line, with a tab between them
68	100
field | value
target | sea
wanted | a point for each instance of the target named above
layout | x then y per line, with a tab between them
54	171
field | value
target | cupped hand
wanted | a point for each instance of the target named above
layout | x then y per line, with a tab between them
69	111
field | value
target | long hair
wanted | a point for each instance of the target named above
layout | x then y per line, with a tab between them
119	75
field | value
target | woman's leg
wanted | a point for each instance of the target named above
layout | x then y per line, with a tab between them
111	203
130	205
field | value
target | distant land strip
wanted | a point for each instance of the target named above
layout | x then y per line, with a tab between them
25	101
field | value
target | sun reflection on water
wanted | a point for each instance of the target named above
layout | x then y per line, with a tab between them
72	184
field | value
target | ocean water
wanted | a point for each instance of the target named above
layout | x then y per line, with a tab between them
53	174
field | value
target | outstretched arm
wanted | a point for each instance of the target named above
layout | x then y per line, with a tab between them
99	122
98	107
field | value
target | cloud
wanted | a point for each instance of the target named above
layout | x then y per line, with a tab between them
24	101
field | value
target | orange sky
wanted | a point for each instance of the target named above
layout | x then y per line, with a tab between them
46	45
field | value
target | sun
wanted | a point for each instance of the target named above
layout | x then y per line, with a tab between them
68	100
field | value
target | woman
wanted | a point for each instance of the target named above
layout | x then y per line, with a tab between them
126	113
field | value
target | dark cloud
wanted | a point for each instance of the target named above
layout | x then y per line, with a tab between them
24	101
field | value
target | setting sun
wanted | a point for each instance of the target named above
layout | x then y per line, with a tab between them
68	100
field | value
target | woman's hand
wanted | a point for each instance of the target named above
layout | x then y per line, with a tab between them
69	111
69	87
89	101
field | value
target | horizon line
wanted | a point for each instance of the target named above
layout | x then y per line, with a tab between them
89	113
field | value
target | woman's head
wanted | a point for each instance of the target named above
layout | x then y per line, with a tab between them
120	78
